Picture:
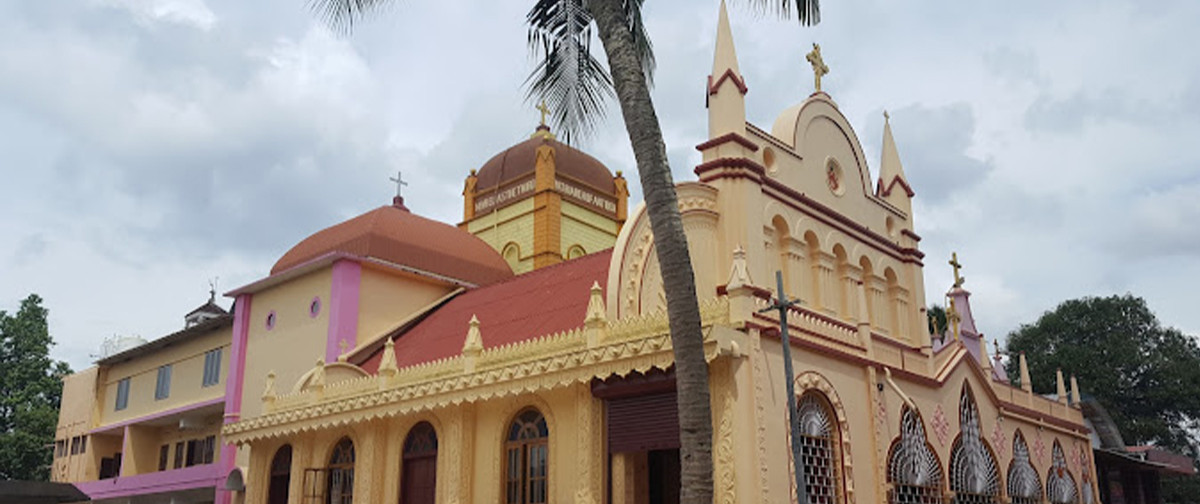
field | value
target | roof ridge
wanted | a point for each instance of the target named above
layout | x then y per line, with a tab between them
539	271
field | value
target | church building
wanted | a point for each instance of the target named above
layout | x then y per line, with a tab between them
522	356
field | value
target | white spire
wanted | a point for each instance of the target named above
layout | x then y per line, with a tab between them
726	88
725	57
895	191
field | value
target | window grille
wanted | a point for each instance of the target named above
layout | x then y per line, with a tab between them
212	368
526	460
818	450
122	394
1060	485
1024	484
913	469
974	476
162	388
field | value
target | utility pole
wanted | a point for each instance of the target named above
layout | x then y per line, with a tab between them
782	304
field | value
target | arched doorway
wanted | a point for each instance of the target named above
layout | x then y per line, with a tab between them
418	478
340	483
281	475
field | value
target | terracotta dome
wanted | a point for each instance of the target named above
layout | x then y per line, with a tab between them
393	234
520	160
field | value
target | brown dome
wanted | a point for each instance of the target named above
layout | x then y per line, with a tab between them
521	159
395	235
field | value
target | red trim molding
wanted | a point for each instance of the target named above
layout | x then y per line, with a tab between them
885	190
726	138
713	86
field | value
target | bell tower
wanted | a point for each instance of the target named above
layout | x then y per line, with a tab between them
541	202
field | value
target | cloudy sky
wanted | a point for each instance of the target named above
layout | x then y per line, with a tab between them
151	145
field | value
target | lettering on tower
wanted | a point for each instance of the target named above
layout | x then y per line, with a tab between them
503	196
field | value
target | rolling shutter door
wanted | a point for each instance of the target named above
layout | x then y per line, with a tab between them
643	423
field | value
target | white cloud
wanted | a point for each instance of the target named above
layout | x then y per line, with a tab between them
193	13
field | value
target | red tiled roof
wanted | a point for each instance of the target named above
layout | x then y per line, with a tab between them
394	234
541	302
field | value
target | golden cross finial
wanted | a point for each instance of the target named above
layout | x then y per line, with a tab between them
886	117
818	65
544	110
958	279
952	314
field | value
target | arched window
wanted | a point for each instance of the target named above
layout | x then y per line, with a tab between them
1024	484
974	477
575	252
281	475
527	461
1060	485
913	470
418	481
340	483
819	450
512	255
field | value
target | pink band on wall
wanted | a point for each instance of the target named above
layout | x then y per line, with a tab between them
343	308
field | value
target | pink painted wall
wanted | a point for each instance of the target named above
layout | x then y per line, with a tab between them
343	308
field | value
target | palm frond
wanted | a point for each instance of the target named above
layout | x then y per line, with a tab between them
807	12
572	82
645	50
341	15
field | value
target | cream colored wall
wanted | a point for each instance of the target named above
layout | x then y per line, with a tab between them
511	224
587	229
75	419
852	396
386	298
854	390
295	343
187	374
471	440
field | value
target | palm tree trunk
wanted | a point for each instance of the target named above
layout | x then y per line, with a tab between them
670	243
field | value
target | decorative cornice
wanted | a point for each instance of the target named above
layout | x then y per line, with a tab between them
553	361
726	138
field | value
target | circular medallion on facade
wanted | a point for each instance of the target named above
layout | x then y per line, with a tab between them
834	177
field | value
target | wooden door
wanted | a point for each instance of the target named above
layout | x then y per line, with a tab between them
419	480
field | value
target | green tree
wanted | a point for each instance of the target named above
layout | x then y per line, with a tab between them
576	85
30	391
937	321
1146	375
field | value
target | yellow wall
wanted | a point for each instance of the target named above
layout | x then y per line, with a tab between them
511	224
476	477
187	373
294	344
386	298
75	419
587	229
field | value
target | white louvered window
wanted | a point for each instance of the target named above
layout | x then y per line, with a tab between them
1024	484
162	387
913	469
212	368
818	450
974	476
1060	485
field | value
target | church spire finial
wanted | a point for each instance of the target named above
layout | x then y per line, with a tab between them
543	130
958	279
891	172
398	200
725	98
818	65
